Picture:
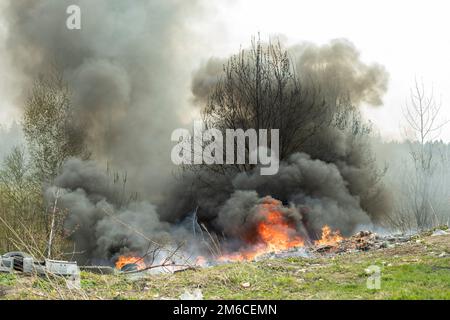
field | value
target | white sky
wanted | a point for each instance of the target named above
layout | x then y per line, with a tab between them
410	38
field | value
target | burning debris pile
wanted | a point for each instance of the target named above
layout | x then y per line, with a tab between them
274	235
274	231
129	263
330	243
361	241
278	242
131	237
154	261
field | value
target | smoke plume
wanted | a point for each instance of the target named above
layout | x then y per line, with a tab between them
130	83
332	179
104	221
128	78
336	68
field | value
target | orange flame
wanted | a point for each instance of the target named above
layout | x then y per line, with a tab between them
127	259
277	234
274	234
201	261
329	237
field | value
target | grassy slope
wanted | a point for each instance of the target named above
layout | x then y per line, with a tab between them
409	271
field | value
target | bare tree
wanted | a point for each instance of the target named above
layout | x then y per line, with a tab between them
259	89
423	116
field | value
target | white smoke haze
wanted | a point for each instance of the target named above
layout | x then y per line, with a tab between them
133	83
10	137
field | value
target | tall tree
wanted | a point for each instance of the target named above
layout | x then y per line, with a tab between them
423	116
259	89
52	131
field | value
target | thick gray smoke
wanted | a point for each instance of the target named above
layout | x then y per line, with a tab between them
311	184
329	182
128	79
320	192
92	199
336	68
332	179
127	69
245	210
104	221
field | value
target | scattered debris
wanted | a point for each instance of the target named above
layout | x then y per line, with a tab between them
439	232
22	262
4	291
98	269
130	267
194	295
324	248
6	264
61	268
362	241
73	282
137	268
289	253
184	268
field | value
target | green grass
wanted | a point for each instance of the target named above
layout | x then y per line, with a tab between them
7	279
409	271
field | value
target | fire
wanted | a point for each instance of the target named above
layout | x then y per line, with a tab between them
201	261
274	233
277	234
128	259
329	237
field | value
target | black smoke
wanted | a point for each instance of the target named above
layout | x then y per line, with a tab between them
127	71
333	178
128	78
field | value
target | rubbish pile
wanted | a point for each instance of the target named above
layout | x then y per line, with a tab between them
362	241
